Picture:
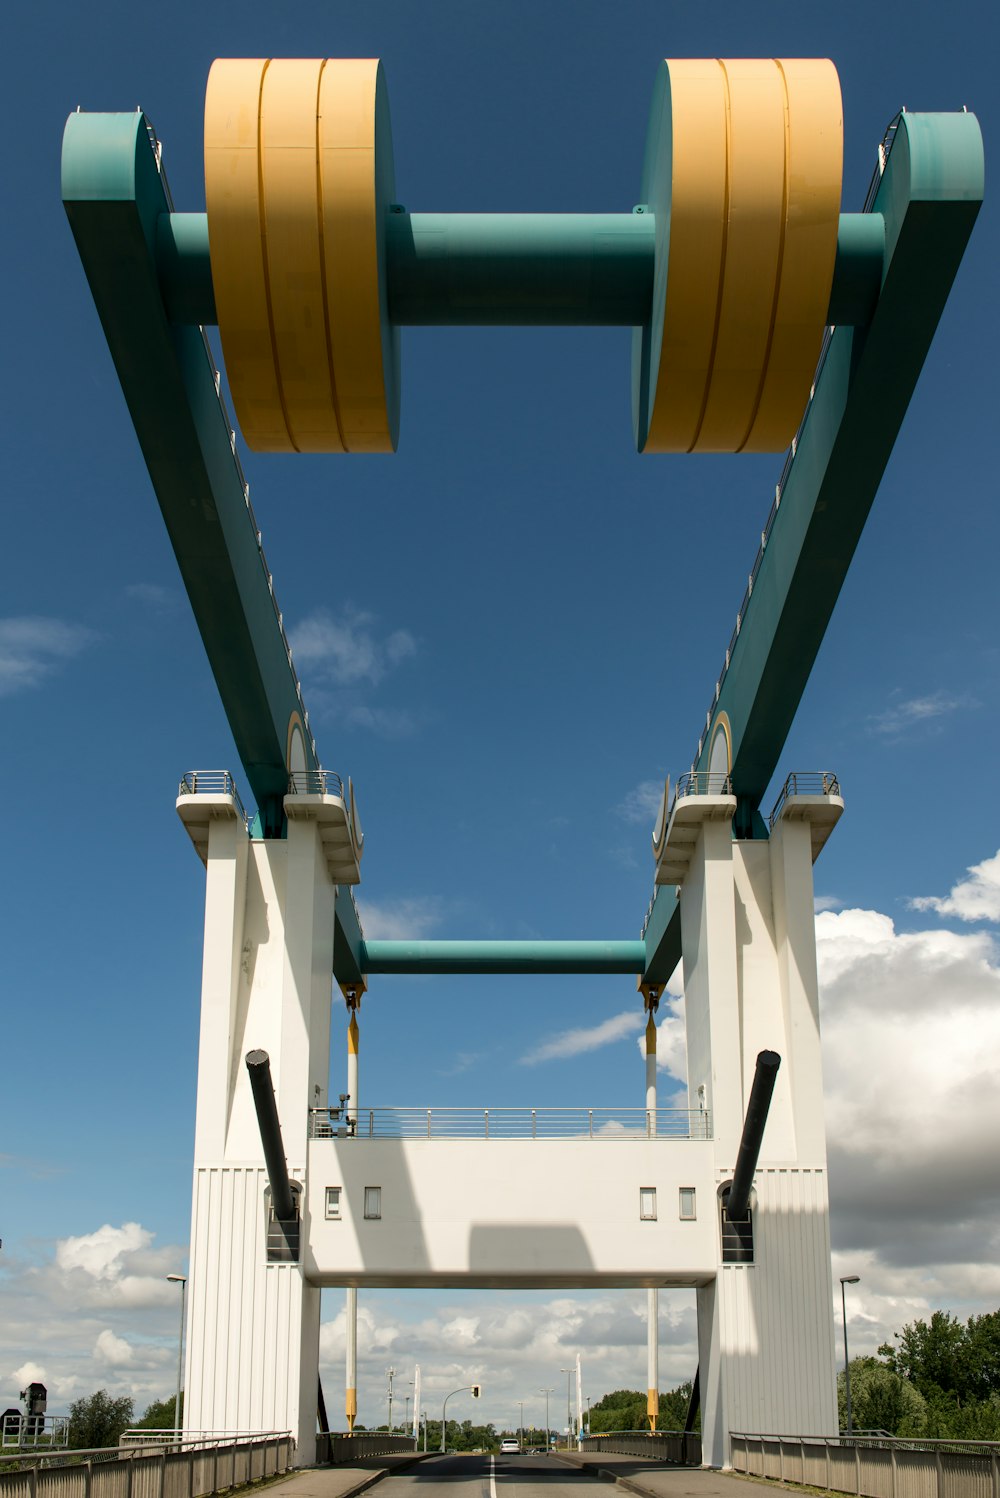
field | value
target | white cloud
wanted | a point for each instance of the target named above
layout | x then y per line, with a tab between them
347	651
975	898
911	1022
100	1254
112	1350
33	647
903	715
827	902
642	804
29	1373
575	1042
399	920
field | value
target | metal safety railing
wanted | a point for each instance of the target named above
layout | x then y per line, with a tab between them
22	1432
683	1448
702	783
316	783
211	783
161	1467
512	1123
333	1448
804	783
872	1467
885	147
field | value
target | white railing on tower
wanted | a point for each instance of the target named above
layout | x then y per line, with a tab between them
625	1124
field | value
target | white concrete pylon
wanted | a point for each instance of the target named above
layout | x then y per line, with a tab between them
652	1296
351	1303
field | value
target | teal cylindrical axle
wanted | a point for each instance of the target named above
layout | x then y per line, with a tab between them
473	269
516	269
503	957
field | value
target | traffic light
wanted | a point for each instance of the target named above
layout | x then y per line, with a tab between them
475	1390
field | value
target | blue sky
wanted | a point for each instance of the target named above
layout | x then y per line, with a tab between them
518	624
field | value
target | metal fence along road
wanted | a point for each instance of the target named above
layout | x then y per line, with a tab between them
888	1468
335	1448
681	1448
192	1470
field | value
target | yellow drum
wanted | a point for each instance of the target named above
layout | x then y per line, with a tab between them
298	180
743	173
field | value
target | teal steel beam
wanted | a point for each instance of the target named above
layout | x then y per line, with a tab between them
928	199
525	269
502	957
348	941
115	196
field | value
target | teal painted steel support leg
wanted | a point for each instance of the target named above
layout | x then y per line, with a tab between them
926	204
517	269
116	200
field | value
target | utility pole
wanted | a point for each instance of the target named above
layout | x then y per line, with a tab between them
548	1433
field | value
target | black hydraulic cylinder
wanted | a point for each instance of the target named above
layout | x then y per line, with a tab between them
259	1067
753	1133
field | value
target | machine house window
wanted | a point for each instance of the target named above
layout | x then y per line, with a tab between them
333	1203
373	1202
688	1208
647	1203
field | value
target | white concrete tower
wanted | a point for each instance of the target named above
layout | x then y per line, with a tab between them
765	1324
351	1297
652	1296
253	1320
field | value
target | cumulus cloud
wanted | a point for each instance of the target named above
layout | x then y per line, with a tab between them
642	803
457	1341
586	1038
100	1254
974	898
349	650
910	1023
89	1311
408	918
33	647
112	1350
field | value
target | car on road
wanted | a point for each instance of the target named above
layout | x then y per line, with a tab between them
509	1448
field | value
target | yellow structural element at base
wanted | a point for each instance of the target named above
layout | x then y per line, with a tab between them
298	175
743	173
351	1407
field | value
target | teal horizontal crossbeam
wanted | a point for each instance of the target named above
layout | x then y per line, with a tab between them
502	957
524	269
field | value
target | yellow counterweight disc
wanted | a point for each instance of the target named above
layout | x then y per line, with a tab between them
742	171
298	178
236	245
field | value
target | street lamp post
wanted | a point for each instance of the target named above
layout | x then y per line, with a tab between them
390	1374
847	1279
406	1413
424	1414
520	1425
569	1418
179	1279
548	1433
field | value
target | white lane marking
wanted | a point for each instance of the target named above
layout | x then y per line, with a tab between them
493	1476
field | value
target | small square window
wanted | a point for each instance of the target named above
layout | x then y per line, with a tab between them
647	1203
332	1202
373	1201
688	1208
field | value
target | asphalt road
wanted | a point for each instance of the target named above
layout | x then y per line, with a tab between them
463	1476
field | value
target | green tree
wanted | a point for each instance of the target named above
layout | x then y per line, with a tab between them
881	1399
931	1355
98	1420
